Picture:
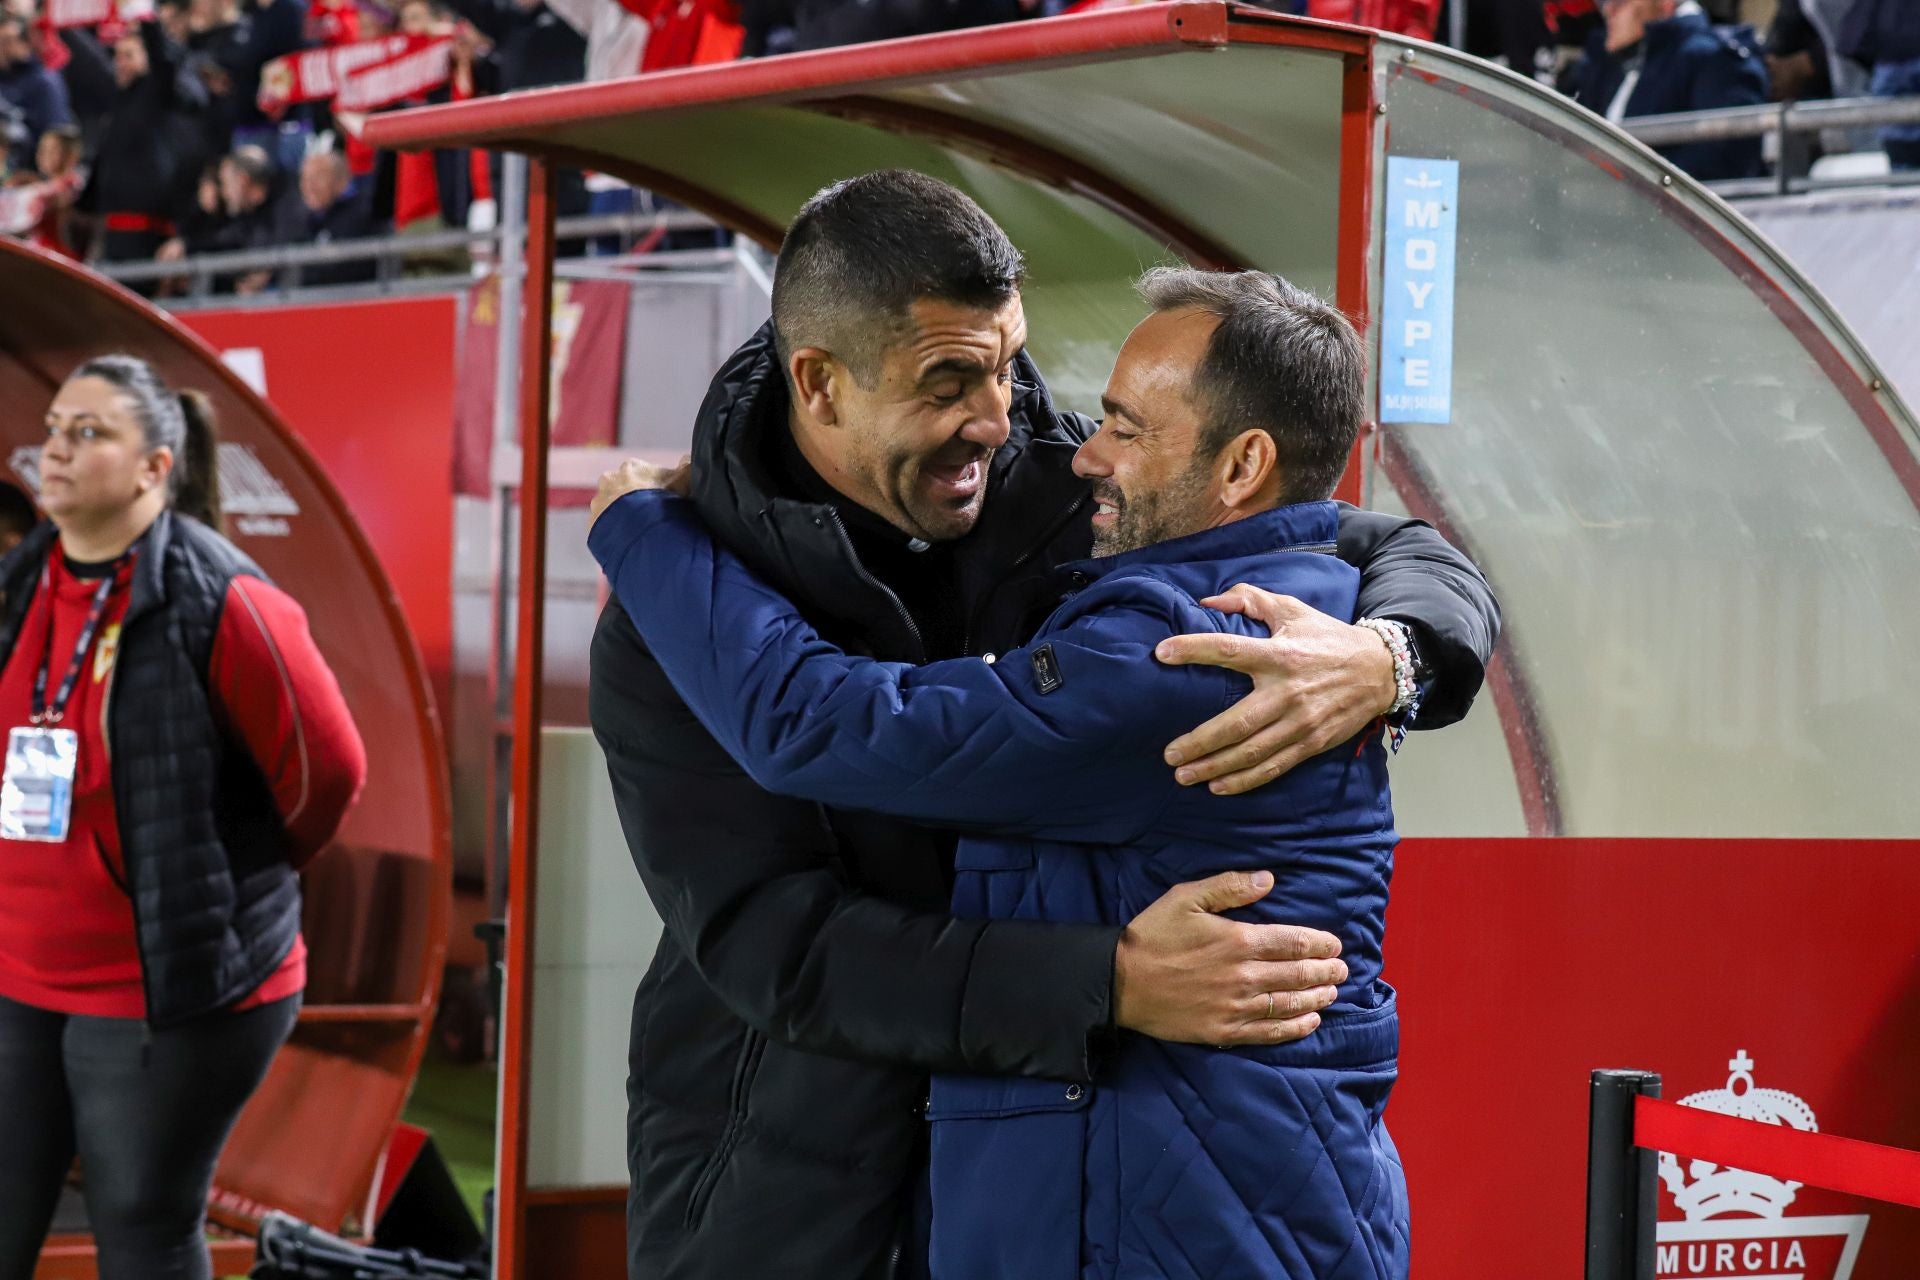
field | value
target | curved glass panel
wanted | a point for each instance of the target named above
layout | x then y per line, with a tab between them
1082	258
1706	560
1242	141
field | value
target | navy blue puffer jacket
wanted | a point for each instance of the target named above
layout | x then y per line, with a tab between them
1179	1160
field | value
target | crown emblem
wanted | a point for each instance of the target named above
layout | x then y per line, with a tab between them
1705	1190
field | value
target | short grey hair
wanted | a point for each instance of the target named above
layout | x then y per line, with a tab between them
1281	361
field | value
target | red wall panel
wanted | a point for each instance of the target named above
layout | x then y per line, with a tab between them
369	387
1522	965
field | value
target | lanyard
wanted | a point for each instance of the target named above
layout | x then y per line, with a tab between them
42	713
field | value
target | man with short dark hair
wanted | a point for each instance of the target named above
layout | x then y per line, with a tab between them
1230	414
886	454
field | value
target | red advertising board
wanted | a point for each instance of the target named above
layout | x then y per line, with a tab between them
589	338
1777	979
369	387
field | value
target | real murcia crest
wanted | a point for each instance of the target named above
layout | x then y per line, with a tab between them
1712	1191
1737	1224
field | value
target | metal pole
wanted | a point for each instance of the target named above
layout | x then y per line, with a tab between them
509	273
530	586
1622	1201
1457	30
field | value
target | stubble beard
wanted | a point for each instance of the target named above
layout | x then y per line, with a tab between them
1147	518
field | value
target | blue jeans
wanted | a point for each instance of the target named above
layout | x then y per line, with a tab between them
147	1116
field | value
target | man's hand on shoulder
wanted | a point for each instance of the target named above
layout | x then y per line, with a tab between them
1317	681
634	475
1183	972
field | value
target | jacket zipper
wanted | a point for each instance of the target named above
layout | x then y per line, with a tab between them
846	541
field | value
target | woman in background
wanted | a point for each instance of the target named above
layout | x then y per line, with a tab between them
177	748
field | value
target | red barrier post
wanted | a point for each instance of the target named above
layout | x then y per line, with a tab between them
1622	1196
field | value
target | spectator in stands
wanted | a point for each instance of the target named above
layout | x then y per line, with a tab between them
240	218
332	22
18	515
782	26
1536	38
327	210
1796	56
442	186
247	188
532	44
37	97
58	176
203	227
1886	35
88	76
152	146
1659	56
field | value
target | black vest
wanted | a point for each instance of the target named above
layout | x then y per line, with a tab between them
215	901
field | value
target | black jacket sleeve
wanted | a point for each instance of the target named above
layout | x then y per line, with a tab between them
1409	573
89	73
750	886
494	19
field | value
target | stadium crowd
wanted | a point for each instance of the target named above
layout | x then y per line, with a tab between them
159	129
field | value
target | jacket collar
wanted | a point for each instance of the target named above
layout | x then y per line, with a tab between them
1304	526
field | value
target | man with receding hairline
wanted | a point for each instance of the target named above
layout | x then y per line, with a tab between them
886	456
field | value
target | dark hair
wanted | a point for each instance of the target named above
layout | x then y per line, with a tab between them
861	252
253	162
1280	361
180	421
18	515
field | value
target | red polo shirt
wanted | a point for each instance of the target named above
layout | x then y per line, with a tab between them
67	939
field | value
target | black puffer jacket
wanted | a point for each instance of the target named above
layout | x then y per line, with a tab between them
216	902
810	975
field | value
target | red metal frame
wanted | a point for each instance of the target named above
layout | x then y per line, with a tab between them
1353	290
516	1022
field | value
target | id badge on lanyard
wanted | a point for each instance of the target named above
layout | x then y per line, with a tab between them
36	790
36	794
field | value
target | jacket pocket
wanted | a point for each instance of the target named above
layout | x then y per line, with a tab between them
1008	1159
746	1065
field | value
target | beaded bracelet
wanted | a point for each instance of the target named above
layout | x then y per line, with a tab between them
1394	635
